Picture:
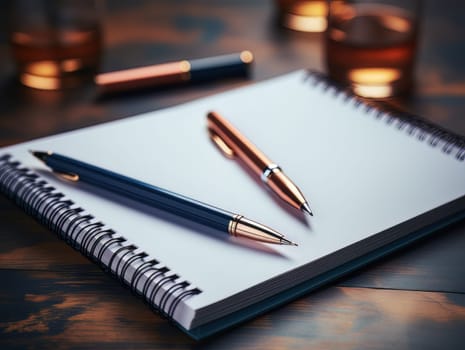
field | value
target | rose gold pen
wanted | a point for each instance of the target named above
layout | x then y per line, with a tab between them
233	143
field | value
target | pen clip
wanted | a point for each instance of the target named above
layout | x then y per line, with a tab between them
221	144
67	176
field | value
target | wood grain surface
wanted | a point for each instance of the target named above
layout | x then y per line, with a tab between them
53	297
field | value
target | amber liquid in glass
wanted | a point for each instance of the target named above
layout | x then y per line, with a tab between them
303	15
56	59
372	49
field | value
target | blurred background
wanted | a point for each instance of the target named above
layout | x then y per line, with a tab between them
142	32
138	33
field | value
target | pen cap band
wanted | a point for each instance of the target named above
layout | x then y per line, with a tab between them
270	169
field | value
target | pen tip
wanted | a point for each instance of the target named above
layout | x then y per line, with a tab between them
287	242
306	208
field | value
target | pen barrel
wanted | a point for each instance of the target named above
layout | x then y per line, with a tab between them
143	77
238	143
142	192
219	67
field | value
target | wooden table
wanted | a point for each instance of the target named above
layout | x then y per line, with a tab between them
51	296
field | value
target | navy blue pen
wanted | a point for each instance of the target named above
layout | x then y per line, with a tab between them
188	208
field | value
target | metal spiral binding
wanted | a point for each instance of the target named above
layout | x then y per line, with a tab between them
425	131
162	289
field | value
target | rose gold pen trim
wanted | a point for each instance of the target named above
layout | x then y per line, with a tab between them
233	224
222	146
246	56
240	226
68	176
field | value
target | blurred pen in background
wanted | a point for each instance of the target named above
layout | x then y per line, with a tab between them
177	72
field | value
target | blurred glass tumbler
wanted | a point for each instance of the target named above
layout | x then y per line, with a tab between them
55	43
370	45
302	15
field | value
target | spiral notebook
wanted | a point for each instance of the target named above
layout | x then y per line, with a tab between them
375	181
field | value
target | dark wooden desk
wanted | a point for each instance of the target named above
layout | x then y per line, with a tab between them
51	296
